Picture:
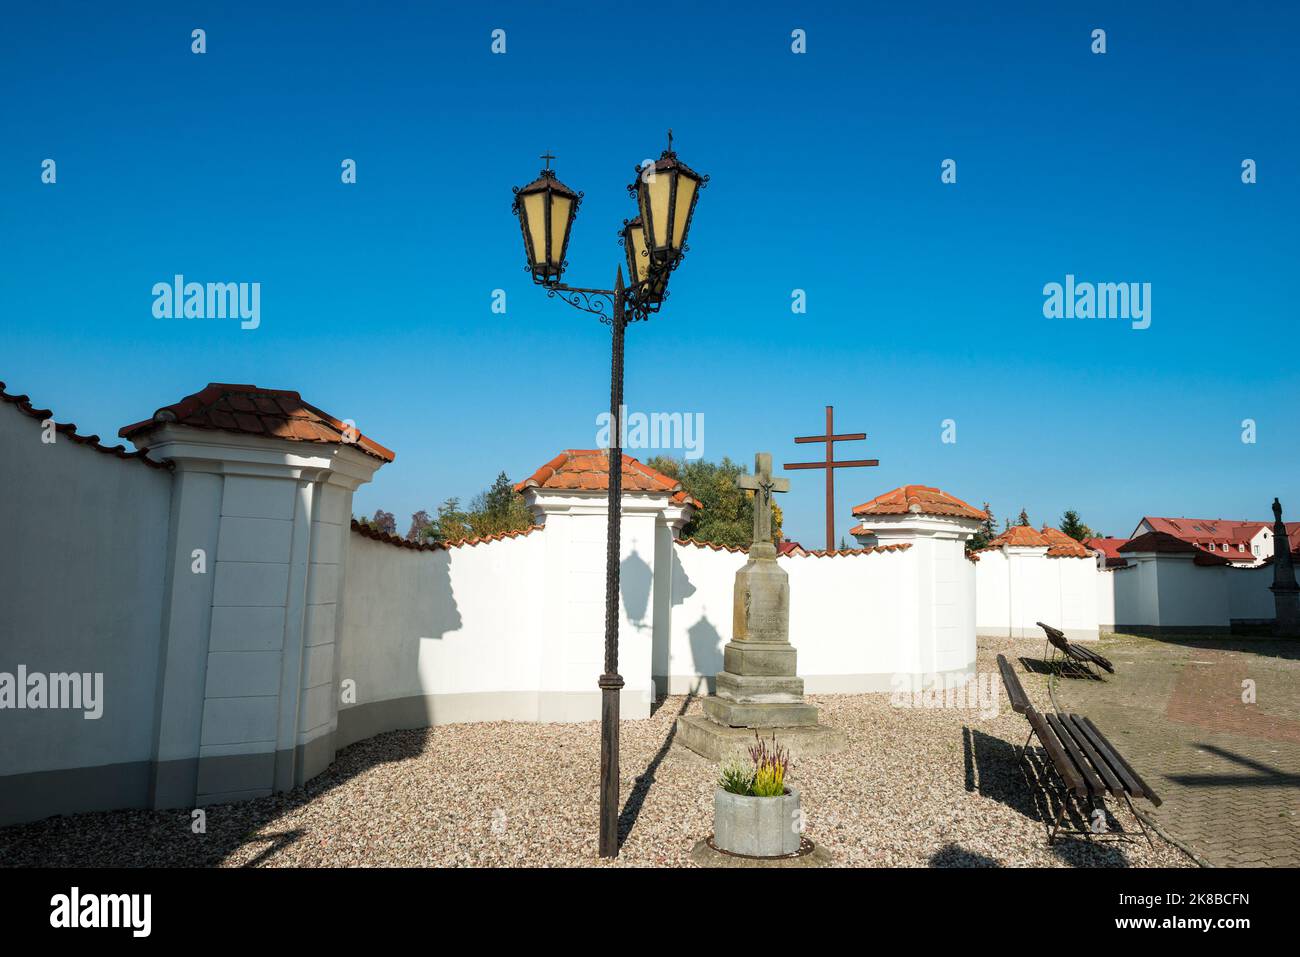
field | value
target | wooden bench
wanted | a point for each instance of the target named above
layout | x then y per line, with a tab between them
1077	653
1088	766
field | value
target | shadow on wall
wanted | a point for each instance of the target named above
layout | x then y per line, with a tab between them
706	646
705	641
445	613
635	577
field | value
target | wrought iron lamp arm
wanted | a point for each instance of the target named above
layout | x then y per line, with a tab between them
600	302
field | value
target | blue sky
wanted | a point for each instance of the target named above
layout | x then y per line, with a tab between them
924	299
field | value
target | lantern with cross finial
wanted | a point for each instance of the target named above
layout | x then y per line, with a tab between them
546	209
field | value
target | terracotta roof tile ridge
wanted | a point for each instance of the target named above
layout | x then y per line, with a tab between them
390	539
69	430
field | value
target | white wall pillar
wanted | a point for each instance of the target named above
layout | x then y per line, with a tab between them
574	629
942	592
248	686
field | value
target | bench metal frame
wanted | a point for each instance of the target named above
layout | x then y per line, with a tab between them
1085	764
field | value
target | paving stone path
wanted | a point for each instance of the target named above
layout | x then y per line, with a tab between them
1213	724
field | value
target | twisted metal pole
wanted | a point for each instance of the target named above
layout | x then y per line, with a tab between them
611	682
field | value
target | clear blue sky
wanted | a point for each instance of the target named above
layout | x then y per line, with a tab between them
924	300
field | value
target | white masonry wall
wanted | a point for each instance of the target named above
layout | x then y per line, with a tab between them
440	636
855	619
1248	594
82	574
512	629
1017	587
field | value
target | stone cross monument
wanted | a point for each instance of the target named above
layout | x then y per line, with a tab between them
1286	594
758	689
763	485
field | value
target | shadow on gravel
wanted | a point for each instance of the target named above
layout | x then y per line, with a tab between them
636	800
994	771
1061	667
1285	648
954	855
142	838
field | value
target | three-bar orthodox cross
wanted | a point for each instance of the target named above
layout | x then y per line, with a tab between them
830	465
763	485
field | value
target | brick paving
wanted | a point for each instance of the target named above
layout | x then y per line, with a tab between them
1227	767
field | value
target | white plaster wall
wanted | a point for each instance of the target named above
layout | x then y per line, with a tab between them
851	618
993	594
463	621
1105	582
1191	594
1248	594
1018	587
1136	595
82	575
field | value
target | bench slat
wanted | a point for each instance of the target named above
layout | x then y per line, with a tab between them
1131	784
1064	766
1109	749
1095	785
1099	762
1015	690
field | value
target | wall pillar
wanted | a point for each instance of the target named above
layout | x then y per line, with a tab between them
248	697
943	589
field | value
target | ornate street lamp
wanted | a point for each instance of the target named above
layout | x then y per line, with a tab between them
654	244
665	192
546	209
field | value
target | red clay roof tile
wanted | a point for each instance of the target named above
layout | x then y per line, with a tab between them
1062	545
368	532
588	469
1021	536
250	410
918	499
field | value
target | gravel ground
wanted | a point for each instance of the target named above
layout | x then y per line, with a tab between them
916	788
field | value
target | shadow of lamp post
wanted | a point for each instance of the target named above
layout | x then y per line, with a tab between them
654	243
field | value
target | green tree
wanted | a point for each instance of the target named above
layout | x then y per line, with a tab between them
988	531
1024	518
498	508
1072	526
727	516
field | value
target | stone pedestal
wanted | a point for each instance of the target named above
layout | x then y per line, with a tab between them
1286	593
758	690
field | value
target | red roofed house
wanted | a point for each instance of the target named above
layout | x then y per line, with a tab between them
1240	542
1109	549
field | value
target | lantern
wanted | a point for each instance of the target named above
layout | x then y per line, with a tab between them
632	238
665	192
546	209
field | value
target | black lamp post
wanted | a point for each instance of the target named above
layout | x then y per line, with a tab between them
654	244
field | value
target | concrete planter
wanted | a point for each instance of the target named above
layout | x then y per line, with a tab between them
756	826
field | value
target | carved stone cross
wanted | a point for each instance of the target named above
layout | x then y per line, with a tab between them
763	485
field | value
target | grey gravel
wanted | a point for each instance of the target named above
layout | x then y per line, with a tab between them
916	788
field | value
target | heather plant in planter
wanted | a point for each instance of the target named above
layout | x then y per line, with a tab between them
754	812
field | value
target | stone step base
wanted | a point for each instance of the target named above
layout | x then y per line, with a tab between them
769	715
714	741
759	658
759	689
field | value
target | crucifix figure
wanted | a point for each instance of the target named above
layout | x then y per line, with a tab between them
763	485
830	465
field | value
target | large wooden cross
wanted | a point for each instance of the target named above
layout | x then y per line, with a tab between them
830	465
763	485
